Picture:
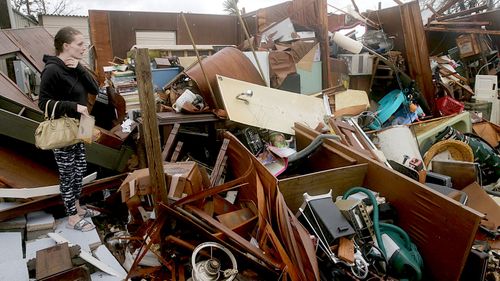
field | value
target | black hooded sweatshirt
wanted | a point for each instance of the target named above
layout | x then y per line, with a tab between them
69	86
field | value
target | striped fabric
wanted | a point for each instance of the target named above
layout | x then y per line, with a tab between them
72	166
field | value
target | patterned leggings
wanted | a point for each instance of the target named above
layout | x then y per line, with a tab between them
72	165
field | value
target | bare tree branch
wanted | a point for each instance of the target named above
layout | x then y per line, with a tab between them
35	7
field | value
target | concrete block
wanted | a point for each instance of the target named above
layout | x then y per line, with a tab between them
39	220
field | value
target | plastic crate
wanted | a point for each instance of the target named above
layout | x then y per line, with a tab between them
163	76
448	106
479	107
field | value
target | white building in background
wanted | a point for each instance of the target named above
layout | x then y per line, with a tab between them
52	23
21	21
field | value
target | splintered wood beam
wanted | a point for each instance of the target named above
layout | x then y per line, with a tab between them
432	10
54	200
212	95
462	13
216	173
463	30
170	142
177	152
447	4
220	171
150	127
346	250
454	23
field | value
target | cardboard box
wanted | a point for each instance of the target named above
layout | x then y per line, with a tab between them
468	45
181	177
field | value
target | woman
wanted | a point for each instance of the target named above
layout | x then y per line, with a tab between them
65	80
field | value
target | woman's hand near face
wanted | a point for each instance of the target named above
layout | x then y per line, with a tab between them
71	62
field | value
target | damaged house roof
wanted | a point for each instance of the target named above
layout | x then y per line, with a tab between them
32	42
10	90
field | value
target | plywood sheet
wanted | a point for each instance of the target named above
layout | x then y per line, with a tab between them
52	261
338	180
439	226
269	108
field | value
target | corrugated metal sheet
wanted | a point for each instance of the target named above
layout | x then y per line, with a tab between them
206	29
101	39
34	42
7	46
209	29
9	90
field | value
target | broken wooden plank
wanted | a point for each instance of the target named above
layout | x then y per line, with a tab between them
346	250
462	13
455	23
25	193
53	200
463	30
434	12
52	260
88	257
177	152
216	173
447	5
150	127
170	118
170	141
446	72
74	273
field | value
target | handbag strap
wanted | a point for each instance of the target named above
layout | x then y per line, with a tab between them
46	110
52	116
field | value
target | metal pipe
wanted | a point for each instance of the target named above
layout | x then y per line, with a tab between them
199	60
247	35
311	147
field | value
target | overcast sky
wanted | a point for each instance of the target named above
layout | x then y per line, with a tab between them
197	6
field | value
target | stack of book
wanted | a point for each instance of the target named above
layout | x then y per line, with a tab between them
126	85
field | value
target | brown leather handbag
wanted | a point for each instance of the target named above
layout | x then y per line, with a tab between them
56	132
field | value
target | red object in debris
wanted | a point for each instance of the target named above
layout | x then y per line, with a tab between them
448	106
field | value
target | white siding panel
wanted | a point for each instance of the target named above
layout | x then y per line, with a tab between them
21	22
143	37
